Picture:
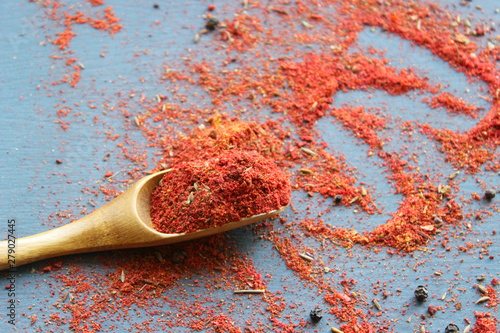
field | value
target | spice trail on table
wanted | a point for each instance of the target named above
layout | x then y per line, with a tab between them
267	78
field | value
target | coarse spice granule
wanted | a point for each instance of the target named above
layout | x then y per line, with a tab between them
205	194
485	323
453	104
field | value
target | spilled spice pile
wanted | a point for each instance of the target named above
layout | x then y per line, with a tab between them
206	194
262	84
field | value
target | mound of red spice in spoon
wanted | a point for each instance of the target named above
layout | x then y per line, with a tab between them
205	194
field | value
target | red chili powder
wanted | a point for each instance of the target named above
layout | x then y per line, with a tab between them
301	86
454	104
493	295
205	194
485	323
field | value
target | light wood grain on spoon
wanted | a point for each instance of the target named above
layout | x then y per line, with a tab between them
122	223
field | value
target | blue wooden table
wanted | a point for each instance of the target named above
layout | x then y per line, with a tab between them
52	164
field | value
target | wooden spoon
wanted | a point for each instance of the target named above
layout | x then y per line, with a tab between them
123	223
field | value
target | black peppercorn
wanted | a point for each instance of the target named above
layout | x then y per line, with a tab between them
421	293
212	23
316	315
452	328
337	199
489	194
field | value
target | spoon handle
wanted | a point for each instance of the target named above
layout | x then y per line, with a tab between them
113	226
76	237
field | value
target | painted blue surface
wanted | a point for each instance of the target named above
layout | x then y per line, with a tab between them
33	187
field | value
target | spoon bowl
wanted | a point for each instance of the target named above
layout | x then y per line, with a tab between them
122	223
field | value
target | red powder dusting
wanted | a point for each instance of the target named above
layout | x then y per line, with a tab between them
469	150
299	87
493	295
454	104
485	323
64	38
109	23
204	194
244	38
75	77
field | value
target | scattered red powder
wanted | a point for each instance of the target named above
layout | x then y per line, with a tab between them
64	38
454	104
96	2
272	72
485	323
75	77
493	295
109	23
